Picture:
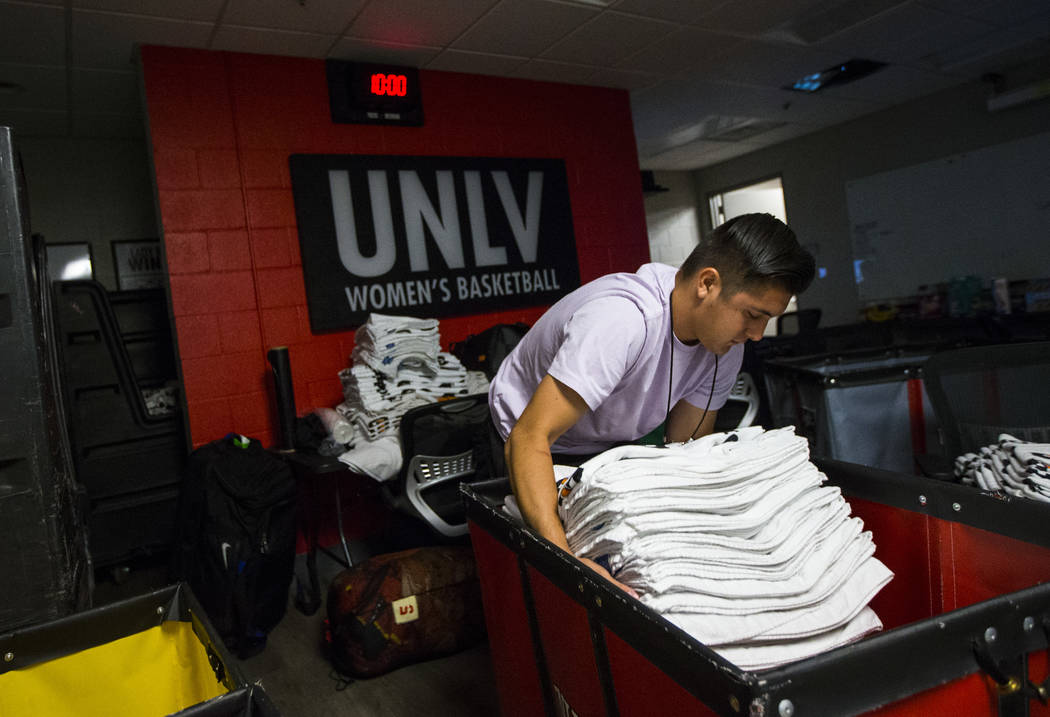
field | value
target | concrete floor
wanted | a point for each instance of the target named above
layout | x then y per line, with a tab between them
301	682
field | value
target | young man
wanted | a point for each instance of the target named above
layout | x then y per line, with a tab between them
611	361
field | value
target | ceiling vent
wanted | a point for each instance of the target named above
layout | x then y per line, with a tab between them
747	130
829	18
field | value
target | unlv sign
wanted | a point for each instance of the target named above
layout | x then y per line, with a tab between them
430	236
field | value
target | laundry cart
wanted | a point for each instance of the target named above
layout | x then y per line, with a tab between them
151	655
868	407
967	620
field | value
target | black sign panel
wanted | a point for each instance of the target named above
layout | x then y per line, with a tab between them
430	236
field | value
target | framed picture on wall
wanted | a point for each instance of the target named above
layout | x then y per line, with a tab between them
138	264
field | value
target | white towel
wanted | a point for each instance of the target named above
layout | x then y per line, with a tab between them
763	656
840	607
379	459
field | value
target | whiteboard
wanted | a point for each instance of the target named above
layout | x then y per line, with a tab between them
984	213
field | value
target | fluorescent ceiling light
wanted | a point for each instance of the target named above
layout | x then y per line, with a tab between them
839	74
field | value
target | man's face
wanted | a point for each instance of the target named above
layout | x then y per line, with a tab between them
722	321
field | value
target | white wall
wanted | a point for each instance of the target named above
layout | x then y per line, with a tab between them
89	190
672	218
816	167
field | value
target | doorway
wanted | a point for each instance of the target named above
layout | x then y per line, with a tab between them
765	196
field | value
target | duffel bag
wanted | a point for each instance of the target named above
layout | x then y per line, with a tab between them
400	608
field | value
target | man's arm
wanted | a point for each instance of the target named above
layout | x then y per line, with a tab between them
683	419
553	409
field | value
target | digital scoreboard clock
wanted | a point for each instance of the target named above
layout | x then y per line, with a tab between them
362	93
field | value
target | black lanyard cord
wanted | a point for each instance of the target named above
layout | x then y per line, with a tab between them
670	378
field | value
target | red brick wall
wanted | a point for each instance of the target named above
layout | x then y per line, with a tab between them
222	126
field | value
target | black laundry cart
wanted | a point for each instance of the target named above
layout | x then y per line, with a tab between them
868	407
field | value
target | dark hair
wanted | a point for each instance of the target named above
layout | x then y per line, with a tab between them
753	249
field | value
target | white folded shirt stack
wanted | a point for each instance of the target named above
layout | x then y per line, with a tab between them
397	365
1012	466
386	342
732	537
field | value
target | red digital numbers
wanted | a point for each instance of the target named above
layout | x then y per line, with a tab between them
389	85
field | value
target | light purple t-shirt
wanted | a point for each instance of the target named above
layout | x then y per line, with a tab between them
610	341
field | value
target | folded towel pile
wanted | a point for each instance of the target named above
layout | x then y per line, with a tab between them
1018	468
732	537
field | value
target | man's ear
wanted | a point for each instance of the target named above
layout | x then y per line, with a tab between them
707	281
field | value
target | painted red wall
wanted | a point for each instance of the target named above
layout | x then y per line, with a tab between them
222	126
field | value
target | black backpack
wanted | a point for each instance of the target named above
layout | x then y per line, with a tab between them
235	542
485	351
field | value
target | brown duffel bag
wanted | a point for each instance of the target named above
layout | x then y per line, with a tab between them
396	609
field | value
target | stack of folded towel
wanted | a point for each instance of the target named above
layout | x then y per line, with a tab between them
732	537
397	364
1018	468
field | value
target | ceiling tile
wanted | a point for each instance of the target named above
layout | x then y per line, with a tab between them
904	34
993	51
555	72
608	38
32	34
476	62
779	134
623	79
44	87
417	22
761	63
324	17
205	10
1028	59
685	12
754	17
1002	13
951	32
818	110
106	92
271	42
523	27
35	123
891	85
681	51
107	40
680	111
355	50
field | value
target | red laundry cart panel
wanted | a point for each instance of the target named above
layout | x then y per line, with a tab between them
642	690
507	619
565	631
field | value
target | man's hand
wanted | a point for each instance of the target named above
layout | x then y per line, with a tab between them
605	574
554	408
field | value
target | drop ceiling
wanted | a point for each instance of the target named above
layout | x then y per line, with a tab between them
706	77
